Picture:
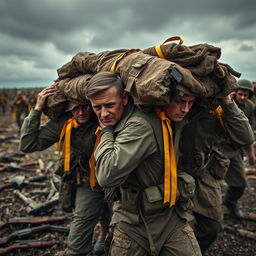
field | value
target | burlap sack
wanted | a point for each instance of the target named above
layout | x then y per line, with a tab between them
146	76
56	104
202	61
68	90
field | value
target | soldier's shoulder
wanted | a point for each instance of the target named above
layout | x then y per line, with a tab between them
250	103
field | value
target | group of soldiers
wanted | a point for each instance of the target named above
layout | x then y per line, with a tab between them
150	175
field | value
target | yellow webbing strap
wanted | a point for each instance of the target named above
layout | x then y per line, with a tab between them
218	112
159	50
170	168
174	38
113	67
66	130
92	159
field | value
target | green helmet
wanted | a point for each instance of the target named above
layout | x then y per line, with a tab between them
245	84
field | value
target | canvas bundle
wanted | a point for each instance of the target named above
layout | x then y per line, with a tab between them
146	76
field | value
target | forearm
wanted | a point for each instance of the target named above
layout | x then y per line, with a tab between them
237	124
117	157
35	137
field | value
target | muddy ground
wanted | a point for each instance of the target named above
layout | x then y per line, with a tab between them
229	242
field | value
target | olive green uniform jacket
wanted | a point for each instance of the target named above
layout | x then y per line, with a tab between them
37	138
129	157
235	176
249	110
202	144
87	203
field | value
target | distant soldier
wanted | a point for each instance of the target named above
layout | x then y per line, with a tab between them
20	109
203	158
31	100
235	177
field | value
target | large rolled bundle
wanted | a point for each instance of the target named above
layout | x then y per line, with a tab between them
68	89
147	77
87	62
56	104
202	61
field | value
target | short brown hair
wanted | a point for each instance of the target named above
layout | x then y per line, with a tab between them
103	81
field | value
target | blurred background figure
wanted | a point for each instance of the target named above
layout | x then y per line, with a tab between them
3	103
19	109
235	177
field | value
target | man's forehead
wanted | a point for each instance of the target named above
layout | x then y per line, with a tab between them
242	91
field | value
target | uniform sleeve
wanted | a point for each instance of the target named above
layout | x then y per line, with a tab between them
237	124
116	157
252	115
35	137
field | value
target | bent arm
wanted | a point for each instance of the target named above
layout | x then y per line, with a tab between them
35	137
116	157
237	124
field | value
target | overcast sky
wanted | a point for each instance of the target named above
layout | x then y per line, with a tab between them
39	36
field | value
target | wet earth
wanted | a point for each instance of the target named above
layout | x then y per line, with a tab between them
14	163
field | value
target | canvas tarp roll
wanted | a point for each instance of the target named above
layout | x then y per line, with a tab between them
140	72
68	89
202	61
146	76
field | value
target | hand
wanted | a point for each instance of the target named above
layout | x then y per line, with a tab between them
43	95
101	124
227	100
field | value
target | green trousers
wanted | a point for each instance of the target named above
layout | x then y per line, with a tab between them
89	206
206	231
181	242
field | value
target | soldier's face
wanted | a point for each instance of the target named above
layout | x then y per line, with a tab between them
241	96
179	107
109	106
82	113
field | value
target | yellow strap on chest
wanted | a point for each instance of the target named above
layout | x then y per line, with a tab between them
170	167
92	159
66	130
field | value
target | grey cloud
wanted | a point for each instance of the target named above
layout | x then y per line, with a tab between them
46	34
246	48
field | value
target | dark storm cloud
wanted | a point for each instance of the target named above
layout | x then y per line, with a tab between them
40	36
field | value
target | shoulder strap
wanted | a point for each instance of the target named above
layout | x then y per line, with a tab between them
155	123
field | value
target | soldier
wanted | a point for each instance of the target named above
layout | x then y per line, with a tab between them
20	109
79	191
203	157
129	158
235	177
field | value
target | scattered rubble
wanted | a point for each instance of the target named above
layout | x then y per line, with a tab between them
29	187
